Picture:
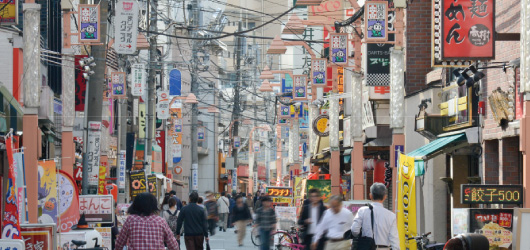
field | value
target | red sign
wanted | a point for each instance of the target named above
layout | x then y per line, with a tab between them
161	141
78	175
242	171
80	85
10	220
468	29
38	236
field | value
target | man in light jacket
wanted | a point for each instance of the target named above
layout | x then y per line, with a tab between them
223	204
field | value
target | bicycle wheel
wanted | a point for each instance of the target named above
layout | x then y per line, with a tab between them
254	236
282	240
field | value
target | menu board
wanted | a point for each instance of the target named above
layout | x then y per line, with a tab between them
495	224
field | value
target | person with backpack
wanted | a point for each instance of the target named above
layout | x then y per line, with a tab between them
171	215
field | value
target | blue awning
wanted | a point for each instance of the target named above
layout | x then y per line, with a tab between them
430	150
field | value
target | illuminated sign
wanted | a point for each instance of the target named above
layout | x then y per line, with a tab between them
279	191
492	194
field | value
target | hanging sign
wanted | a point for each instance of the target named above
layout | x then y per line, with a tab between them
318	68
285	111
121	169
194	178
378	64
162	106
126	27
200	133
101	180
237	141
9	12
69	201
279	191
491	194
256	146
376	21
406	202
234	180
97	208
339	48
119	86
151	179
176	149
467	29
39	236
10	217
320	125
138	79
300	87
175	82
89	23
138	183
141	120
93	151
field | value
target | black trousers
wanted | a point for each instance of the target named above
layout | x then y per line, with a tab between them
211	226
308	240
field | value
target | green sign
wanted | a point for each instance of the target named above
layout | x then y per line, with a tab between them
324	186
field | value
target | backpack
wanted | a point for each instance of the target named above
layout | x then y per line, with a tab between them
172	221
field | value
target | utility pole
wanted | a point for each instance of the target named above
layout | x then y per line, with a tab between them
151	86
95	89
194	108
236	109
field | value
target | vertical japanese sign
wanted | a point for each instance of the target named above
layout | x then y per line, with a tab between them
101	180
175	82
237	141
141	120
121	169
119	86
200	133
378	64
162	106
318	67
300	87
88	23
92	152
138	183
69	201
38	236
194	179
339	48
126	27
406	202
10	218
161	141
138	79
376	18
468	28
234	179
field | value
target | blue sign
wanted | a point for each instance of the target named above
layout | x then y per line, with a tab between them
175	83
287	84
397	150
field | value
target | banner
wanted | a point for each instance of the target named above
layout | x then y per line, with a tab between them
162	106
80	85
92	152
319	71
121	169
300	88
101	179
339	48
138	183
126	27
141	120
151	179
161	141
119	85
47	191
299	188
69	201
323	185
21	186
10	218
9	12
175	83
406	202
88	23
138	79
376	18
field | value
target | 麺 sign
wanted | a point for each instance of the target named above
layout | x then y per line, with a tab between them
126	27
279	191
468	29
492	194
376	18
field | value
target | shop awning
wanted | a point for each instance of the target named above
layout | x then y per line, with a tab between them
433	149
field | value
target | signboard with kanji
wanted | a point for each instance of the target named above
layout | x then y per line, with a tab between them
279	191
8	12
126	27
378	64
88	23
495	224
97	208
339	48
376	21
318	69
138	79
492	194
119	86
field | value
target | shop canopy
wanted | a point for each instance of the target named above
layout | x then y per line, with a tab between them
433	149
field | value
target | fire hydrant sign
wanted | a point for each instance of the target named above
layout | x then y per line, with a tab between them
126	27
97	208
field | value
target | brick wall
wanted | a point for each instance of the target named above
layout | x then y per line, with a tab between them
511	173
491	162
418	44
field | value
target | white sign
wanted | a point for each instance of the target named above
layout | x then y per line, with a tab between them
135	110
92	152
234	179
255	180
126	27
9	244
285	214
106	235
346	132
194	178
121	173
301	151
138	79
97	208
162	106
368	114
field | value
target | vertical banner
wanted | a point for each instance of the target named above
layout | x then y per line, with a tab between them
162	106
194	178
21	185
121	169
237	141
318	69
141	120
234	179
255	181
47	191
256	146
69	201
138	79
175	82
80	85
151	179
406	202
119	85
161	141
10	218
101	180
9	12
300	87
376	18
126	27
339	48
138	183
88	23
200	133
92	152
378	64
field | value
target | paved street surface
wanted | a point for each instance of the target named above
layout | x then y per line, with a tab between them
227	240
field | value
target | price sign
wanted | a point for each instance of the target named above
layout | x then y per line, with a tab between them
492	194
138	183
279	191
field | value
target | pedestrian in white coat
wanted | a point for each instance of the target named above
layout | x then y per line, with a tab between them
223	204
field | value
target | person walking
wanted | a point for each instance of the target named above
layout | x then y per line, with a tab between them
195	225
241	216
310	216
334	223
211	211
265	221
144	229
173	194
224	208
230	223
384	232
171	216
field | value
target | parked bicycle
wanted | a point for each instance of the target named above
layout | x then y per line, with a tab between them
79	244
422	242
287	240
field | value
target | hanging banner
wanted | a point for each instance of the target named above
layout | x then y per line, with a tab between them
126	27
119	85
406	202
47	191
80	85
21	185
161	141
175	82
93	151
162	106
121	169
141	120
376	19
285	111
300	87
378	64
101	180
138	183
256	146
138	79
200	133
339	48
151	179
237	141
8	12
318	68
10	217
69	201
234	180
194	178
88	23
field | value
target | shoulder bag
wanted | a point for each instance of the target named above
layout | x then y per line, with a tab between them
362	242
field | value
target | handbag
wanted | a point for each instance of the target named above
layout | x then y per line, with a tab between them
363	242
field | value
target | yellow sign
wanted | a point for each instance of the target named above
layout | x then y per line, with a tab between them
406	204
299	187
281	200
8	12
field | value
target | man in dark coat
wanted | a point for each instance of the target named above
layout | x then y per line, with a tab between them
310	216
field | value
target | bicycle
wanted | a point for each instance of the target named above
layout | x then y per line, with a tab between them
287	240
254	236
422	242
78	244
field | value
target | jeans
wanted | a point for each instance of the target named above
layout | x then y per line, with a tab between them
265	239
